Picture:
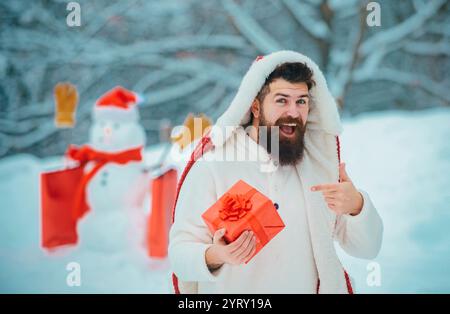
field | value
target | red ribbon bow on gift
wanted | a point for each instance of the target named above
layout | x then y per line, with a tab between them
86	154
234	206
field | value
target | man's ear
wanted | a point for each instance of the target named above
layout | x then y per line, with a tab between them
255	108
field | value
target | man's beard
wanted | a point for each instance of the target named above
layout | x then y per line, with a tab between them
290	149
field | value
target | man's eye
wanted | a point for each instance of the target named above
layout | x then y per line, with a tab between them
301	101
281	100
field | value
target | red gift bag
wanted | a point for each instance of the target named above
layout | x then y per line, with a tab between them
63	192
58	193
159	221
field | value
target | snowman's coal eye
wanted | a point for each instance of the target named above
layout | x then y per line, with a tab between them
116	126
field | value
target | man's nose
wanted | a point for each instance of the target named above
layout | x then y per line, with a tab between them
293	111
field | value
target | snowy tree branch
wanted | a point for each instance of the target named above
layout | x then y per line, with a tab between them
306	15
410	79
250	29
428	48
402	30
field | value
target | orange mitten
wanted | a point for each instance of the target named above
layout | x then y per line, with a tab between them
66	100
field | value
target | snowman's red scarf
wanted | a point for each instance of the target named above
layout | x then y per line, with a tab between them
203	147
87	154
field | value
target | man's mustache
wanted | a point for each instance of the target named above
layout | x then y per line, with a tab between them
298	122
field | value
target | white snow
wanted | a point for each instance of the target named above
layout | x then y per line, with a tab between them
26	268
403	161
401	158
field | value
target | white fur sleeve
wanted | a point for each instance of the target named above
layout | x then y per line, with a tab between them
189	236
361	235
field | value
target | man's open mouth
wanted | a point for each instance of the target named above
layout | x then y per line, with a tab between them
288	129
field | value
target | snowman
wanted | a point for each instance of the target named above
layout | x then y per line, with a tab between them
115	194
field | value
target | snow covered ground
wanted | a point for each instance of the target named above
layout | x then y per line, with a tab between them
401	158
403	161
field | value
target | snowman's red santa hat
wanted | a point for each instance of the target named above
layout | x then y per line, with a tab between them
118	104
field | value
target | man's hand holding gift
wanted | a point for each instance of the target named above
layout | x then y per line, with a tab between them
242	222
234	253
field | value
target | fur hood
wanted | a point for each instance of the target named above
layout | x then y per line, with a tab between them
323	114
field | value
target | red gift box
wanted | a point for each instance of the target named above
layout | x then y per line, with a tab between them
242	208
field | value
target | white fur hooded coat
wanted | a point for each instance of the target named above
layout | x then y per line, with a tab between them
206	181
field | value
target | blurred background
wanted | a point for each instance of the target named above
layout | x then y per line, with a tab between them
188	56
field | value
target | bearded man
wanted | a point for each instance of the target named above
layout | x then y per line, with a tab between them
285	122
